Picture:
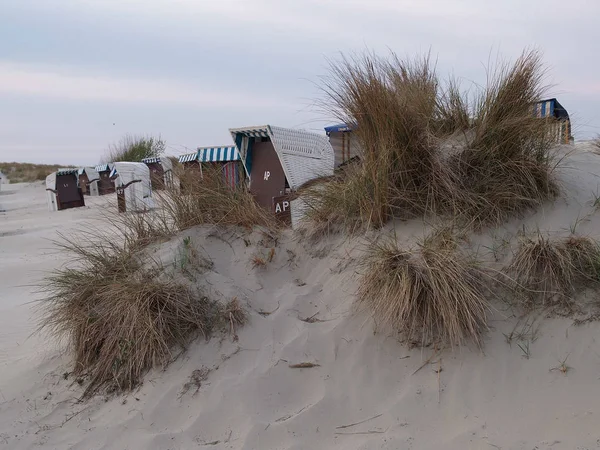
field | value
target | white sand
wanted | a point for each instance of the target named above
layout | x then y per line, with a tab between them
252	399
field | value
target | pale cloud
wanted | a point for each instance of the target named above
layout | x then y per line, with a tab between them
590	88
481	10
60	82
421	8
78	74
307	16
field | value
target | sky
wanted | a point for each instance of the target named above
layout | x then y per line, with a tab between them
77	75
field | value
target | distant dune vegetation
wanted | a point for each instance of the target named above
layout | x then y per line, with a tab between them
26	172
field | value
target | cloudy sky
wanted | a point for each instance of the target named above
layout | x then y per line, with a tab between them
76	75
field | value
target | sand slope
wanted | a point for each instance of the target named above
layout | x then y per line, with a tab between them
252	399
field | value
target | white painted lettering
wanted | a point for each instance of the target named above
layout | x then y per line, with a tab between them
267	175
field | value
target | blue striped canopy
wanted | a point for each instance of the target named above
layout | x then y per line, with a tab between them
550	108
151	160
216	154
113	172
102	168
67	171
342	127
189	157
251	132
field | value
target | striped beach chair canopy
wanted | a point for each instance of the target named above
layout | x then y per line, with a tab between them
67	171
165	162
102	167
339	128
151	160
260	131
189	157
218	154
551	108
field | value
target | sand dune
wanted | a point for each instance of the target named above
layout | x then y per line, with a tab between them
366	390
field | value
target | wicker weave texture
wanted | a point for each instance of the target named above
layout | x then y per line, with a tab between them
303	155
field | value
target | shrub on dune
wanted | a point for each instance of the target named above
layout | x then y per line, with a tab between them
551	271
339	203
507	166
392	103
118	317
135	148
433	293
430	149
210	200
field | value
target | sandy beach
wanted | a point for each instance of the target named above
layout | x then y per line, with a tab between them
339	225
366	390
27	229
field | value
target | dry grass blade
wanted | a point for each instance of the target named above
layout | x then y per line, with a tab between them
257	261
361	432
359	423
268	313
435	352
235	315
453	110
304	365
562	367
234	312
271	255
430	294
